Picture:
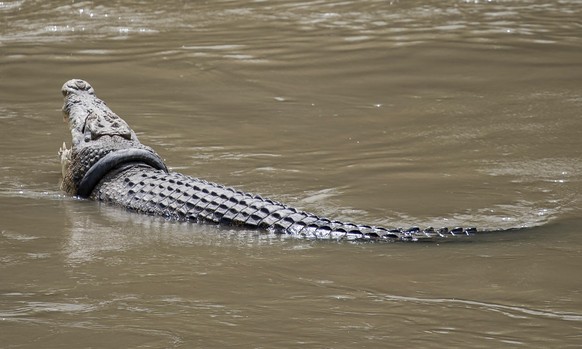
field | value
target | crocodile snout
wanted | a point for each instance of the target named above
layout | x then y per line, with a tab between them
76	85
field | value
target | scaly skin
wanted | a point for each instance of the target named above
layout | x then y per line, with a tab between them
96	131
108	163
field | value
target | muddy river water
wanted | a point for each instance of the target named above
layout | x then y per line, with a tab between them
394	113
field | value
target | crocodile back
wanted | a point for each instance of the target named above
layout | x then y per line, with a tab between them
176	196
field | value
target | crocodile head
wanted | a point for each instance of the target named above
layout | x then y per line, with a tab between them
102	142
89	117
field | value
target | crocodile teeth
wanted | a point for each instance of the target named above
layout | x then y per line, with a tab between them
65	157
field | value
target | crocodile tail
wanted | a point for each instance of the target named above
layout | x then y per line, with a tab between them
176	196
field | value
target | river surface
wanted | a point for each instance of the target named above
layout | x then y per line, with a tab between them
394	113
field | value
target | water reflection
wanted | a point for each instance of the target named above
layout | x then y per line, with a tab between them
95	231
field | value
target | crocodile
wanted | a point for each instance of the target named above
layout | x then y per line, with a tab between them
107	163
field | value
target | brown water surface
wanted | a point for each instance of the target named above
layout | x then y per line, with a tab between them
396	113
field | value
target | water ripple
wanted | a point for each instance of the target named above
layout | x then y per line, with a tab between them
507	310
395	23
